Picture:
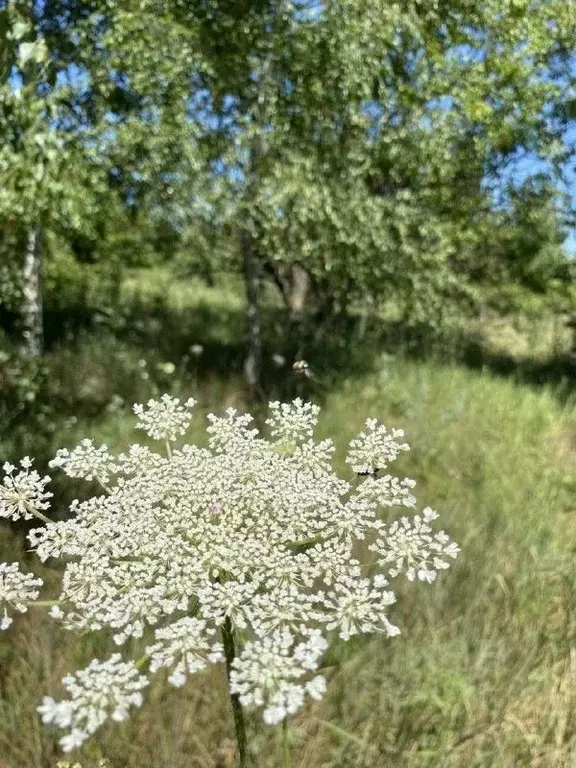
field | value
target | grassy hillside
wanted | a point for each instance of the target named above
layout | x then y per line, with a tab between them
483	673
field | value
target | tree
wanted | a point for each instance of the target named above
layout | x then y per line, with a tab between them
347	150
86	154
364	142
52	176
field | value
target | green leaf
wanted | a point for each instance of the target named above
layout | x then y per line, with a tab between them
36	52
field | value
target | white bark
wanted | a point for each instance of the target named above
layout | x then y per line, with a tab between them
32	330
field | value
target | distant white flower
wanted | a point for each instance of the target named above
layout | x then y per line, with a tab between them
17	589
196	349
22	495
375	448
165	419
56	612
268	673
278	360
168	368
103	690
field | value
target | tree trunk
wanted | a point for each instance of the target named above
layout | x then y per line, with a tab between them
32	331
300	285
293	282
253	361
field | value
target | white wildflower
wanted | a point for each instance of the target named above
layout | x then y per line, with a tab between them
165	419
283	607
330	560
22	495
230	599
387	491
103	690
86	461
196	349
17	589
409	546
257	534
186	646
292	422
231	431
268	673
278	360
375	448
357	606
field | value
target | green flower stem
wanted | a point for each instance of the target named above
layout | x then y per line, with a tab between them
105	487
141	661
42	517
44	603
285	744
239	724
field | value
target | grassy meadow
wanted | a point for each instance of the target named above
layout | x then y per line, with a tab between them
484	672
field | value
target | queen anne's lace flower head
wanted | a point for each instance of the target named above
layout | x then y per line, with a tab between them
292	422
268	673
165	419
22	493
86	461
186	646
253	534
410	546
104	689
375	448
17	589
357	606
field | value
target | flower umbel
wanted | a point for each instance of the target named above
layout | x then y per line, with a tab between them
269	673
165	419
16	590
375	448
85	461
22	495
410	546
186	646
256	539
104	689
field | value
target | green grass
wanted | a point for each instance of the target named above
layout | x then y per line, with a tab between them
483	673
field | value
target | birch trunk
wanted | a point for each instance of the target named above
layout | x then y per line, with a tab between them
253	361
32	331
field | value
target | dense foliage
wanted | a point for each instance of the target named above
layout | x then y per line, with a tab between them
348	151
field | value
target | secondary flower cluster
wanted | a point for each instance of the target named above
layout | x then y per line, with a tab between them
258	533
104	689
22	495
16	591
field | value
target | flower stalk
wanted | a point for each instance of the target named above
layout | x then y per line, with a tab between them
237	712
285	744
